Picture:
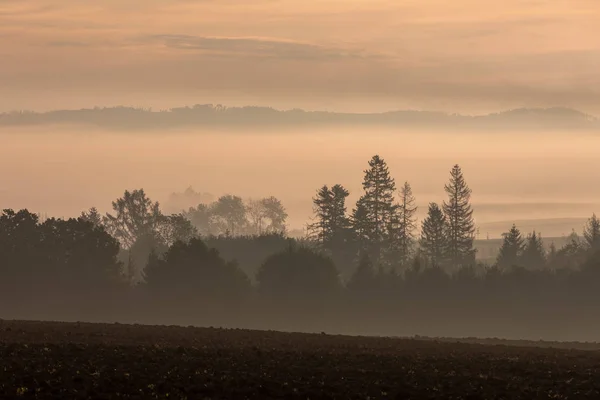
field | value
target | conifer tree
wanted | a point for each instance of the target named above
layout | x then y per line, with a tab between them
534	255
320	230
512	248
459	214
332	228
591	233
360	227
433	241
403	226
378	203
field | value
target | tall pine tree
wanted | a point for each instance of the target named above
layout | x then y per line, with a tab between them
534	255
402	228
433	242
332	228
378	204
461	225
512	248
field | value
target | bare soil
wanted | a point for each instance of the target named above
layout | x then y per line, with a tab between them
52	360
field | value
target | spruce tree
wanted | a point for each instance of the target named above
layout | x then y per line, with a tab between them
433	241
512	248
320	230
534	255
378	203
459	214
591	233
404	224
360	227
332	228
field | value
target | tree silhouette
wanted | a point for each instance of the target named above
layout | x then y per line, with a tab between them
298	274
433	241
201	218
274	212
175	228
534	255
364	279
459	214
591	233
195	273
512	248
378	204
93	216
135	215
402	229
230	214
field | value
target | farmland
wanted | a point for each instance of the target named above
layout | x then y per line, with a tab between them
79	360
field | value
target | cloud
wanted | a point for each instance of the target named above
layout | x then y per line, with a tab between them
253	47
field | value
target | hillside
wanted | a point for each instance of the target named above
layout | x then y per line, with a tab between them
211	115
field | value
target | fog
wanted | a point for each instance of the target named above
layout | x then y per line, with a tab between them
514	175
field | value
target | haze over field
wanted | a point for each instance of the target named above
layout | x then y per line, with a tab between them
62	170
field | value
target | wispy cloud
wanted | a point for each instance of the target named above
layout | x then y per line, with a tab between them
253	47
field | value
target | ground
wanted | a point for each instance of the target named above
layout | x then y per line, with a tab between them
104	361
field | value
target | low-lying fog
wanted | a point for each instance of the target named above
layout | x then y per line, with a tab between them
514	175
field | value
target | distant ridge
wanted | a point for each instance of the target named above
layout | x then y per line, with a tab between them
218	115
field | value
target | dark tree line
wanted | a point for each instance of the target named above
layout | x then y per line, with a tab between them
366	270
383	227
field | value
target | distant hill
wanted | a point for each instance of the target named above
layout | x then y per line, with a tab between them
217	115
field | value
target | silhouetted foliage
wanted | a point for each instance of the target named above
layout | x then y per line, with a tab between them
135	215
459	215
512	249
193	273
402	228
534	255
378	204
433	241
332	229
591	233
299	275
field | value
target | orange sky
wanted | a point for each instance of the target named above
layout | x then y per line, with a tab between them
464	55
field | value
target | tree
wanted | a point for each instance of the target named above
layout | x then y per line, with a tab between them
230	214
192	273
332	223
591	233
176	227
364	278
256	215
298	275
459	214
534	255
275	214
402	228
332	228
360	227
433	241
571	256
135	215
512	248
320	230
80	254
93	216
201	218
378	205
266	215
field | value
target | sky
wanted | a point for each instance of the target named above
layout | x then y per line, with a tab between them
467	56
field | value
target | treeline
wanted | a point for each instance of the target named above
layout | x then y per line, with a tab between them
218	115
137	265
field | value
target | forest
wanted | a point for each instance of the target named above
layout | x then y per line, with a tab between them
369	268
198	115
